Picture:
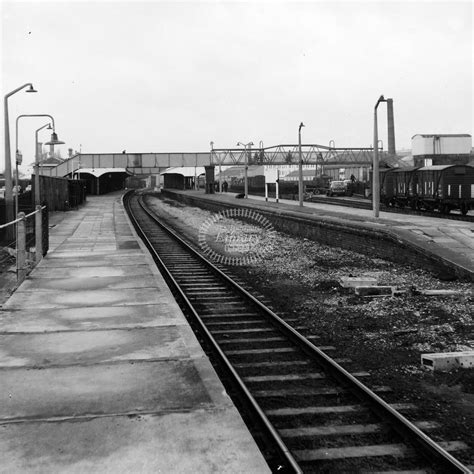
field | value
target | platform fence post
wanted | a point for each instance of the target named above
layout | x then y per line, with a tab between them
39	234
21	247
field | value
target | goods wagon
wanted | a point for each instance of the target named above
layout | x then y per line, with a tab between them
445	187
439	187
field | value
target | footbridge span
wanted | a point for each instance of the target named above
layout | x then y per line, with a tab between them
111	169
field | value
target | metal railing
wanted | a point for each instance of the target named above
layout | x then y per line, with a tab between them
30	245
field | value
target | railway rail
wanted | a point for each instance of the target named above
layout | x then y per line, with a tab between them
307	412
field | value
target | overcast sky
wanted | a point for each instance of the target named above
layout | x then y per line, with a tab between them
173	76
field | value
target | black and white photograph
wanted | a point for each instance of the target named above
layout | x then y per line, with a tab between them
237	237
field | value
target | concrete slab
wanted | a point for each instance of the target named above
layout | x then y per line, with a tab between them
92	261
445	241
448	360
99	282
106	253
433	232
441	292
206	442
374	290
352	282
92	272
95	347
110	389
81	318
71	299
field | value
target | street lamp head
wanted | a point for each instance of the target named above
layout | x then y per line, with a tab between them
31	89
381	99
301	125
49	127
54	140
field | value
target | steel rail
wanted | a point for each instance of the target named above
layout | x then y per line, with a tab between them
250	400
407	430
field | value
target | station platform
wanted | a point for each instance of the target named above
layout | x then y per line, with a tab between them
99	369
446	239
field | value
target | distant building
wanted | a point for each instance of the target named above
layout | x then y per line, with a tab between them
182	177
51	162
441	149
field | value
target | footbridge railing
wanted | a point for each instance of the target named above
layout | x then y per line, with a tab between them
154	163
289	154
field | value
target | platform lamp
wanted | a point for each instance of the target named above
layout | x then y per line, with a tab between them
8	166
18	154
54	141
375	166
246	167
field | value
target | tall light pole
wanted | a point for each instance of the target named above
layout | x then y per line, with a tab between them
210	154
54	141
37	160
375	166
79	166
300	167
17	153
246	181
220	168
8	165
261	159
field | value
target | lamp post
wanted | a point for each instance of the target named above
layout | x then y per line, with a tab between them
211	161
246	181
375	166
261	158
54	141
8	168
220	166
300	167
37	160
79	166
18	151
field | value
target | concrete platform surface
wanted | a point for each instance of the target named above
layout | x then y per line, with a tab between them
99	369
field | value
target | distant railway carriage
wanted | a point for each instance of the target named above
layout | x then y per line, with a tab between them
439	187
397	186
445	187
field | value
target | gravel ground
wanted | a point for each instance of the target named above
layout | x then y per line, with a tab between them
384	335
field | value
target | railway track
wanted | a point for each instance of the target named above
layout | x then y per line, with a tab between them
307	413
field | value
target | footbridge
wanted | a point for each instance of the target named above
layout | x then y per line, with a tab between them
108	171
154	163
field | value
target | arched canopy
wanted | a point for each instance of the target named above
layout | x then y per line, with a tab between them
98	172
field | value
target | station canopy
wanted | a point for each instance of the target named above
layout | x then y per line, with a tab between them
186	171
98	172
